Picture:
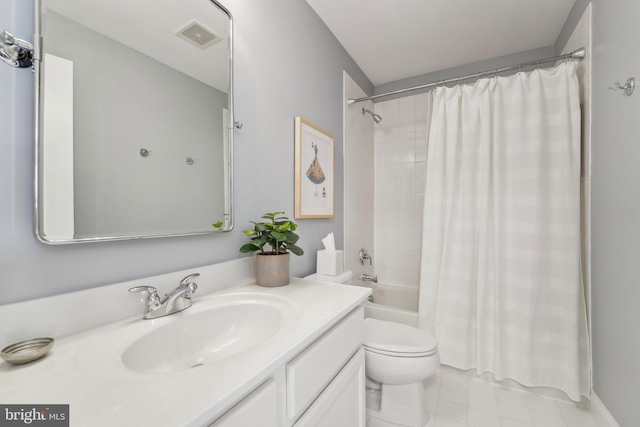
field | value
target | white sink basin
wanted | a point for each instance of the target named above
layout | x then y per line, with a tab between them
214	329
200	338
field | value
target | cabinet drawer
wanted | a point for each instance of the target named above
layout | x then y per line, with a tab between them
342	403
313	369
258	409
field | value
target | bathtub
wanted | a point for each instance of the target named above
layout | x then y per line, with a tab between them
394	303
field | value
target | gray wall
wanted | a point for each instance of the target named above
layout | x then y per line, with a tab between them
616	209
287	64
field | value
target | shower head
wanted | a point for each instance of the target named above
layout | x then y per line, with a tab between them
376	117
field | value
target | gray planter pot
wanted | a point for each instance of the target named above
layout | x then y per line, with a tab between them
272	270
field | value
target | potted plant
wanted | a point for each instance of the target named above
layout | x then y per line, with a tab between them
272	240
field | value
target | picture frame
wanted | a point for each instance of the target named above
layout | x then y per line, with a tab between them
314	166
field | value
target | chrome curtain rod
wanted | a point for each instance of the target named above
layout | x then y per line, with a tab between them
576	54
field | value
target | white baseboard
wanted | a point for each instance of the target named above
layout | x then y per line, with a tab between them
601	413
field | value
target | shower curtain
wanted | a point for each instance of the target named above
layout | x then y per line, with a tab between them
500	283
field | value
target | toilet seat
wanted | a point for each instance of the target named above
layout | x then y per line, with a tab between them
399	354
398	340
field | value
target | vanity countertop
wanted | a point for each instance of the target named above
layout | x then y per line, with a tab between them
101	391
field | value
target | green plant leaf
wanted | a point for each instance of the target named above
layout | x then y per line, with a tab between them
286	226
249	232
281	237
261	226
271	215
259	241
249	248
297	250
291	237
217	224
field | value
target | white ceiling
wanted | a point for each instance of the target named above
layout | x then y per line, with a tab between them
150	27
393	40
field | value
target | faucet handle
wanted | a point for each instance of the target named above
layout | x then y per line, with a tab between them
153	292
191	286
186	280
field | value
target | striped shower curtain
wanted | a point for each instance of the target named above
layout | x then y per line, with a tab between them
500	284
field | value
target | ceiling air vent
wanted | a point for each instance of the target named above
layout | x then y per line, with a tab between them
197	34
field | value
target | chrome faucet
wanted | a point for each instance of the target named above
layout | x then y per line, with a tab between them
369	278
177	300
363	255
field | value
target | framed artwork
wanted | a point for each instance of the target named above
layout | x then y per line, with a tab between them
314	171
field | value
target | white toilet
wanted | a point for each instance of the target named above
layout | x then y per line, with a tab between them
398	358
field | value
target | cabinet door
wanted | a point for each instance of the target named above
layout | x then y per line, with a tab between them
342	403
314	368
257	409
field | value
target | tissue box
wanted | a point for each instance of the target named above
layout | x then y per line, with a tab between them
330	263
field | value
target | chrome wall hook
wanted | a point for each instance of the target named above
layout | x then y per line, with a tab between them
627	88
15	52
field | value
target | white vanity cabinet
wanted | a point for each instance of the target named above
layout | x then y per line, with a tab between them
323	385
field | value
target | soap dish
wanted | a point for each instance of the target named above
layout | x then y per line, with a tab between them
27	351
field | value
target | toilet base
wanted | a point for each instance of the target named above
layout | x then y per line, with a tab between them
402	404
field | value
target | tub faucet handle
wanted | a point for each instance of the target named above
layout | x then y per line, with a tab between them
364	256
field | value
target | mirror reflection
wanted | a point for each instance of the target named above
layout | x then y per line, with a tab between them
134	103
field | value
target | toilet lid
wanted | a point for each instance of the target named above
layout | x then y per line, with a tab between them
391	337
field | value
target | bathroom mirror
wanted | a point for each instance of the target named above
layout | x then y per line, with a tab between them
134	121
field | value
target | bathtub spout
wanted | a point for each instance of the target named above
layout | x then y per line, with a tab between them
369	278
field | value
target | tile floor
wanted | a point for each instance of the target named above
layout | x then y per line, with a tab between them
455	400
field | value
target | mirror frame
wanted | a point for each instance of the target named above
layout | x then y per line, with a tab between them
228	222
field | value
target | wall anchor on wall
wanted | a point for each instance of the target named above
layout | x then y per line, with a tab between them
628	86
190	160
144	152
237	124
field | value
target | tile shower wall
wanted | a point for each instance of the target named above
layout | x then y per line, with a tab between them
358	179
400	143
